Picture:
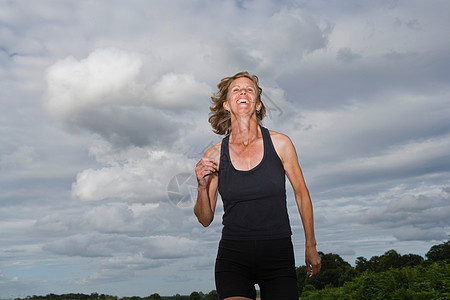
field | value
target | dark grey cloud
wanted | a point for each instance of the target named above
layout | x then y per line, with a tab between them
101	245
346	55
138	126
85	245
328	85
425	215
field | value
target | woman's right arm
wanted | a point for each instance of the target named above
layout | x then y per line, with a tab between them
207	190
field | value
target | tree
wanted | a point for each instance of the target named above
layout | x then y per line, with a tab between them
155	296
195	296
335	272
361	264
439	252
374	263
411	260
390	259
212	295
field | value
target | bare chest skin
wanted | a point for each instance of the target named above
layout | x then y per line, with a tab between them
246	157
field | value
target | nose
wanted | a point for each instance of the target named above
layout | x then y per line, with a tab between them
243	91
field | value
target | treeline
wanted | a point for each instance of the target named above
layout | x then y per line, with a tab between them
95	296
389	276
193	296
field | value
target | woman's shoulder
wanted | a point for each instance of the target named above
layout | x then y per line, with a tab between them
214	152
282	144
279	138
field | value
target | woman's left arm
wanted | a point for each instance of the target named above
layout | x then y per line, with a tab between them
288	155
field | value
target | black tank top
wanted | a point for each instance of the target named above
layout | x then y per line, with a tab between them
254	201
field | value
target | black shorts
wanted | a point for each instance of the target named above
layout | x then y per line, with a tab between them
269	263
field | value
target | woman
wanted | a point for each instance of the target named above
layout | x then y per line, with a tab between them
248	168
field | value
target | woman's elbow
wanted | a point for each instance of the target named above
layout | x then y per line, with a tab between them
205	221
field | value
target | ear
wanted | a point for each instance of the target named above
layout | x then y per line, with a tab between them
226	106
258	106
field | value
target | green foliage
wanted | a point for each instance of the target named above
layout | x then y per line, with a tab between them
93	296
301	278
411	260
389	276
195	296
335	272
390	259
361	264
431	282
212	295
439	252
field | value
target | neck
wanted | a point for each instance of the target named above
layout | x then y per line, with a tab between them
244	131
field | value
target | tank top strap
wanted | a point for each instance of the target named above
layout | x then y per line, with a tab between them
266	139
269	148
224	159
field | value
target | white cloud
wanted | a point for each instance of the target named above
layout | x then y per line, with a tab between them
143	180
120	218
104	77
111	219
179	91
170	247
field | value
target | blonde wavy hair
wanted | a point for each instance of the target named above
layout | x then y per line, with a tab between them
219	117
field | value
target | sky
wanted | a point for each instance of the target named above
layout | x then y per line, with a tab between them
104	110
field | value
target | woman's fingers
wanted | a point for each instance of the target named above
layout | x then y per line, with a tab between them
206	166
313	262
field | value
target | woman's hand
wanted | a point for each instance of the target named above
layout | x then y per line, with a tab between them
313	261
204	168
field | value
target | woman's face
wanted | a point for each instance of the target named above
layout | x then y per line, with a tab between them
242	96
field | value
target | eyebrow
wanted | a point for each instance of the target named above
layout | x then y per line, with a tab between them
237	85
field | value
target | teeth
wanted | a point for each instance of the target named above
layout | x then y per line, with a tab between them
242	101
